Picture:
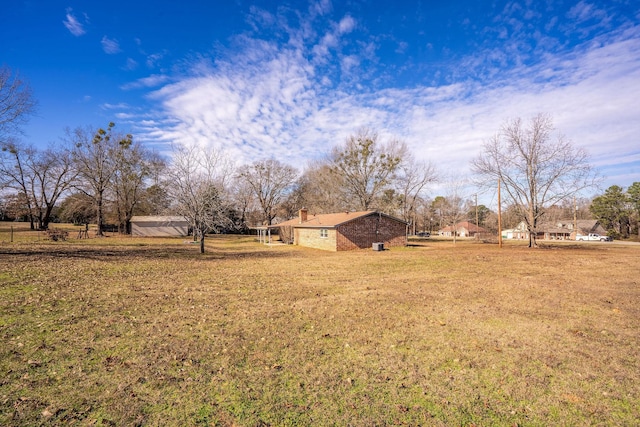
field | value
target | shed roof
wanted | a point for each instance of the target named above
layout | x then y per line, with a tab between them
158	218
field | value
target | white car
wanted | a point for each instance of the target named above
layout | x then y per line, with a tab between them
593	237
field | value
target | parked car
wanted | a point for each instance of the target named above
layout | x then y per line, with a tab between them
593	237
423	234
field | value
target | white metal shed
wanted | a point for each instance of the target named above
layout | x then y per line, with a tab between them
159	226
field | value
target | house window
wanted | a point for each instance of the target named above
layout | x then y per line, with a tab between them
324	233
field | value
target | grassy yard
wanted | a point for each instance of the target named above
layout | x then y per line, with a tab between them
125	331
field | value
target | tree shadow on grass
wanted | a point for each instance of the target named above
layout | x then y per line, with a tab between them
569	247
111	253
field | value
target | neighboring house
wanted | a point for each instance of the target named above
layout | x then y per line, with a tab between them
520	232
462	229
559	230
586	226
159	226
343	231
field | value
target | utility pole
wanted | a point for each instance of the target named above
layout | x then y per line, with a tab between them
477	237
575	218
499	217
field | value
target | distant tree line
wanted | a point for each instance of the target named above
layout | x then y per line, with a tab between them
105	177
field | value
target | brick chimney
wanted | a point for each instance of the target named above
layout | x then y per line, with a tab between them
302	214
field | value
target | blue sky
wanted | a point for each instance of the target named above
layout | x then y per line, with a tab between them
289	80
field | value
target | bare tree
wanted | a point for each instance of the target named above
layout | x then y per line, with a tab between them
42	175
536	169
15	206
132	167
54	175
16	103
413	177
241	194
453	207
319	190
366	168
270	182
197	187
426	214
95	161
14	171
154	199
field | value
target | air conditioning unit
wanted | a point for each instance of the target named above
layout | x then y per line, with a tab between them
378	246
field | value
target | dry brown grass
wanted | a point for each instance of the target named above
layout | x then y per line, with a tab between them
123	331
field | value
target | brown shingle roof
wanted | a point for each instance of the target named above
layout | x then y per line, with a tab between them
328	220
585	226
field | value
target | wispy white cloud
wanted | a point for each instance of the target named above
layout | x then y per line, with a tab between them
72	23
346	25
110	46
402	47
254	108
332	38
119	106
584	11
321	7
153	59
126	116
587	18
131	64
146	82
278	100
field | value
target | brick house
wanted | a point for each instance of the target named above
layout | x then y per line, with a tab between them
462	229
343	231
559	230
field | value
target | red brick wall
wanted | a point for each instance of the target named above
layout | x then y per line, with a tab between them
363	232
